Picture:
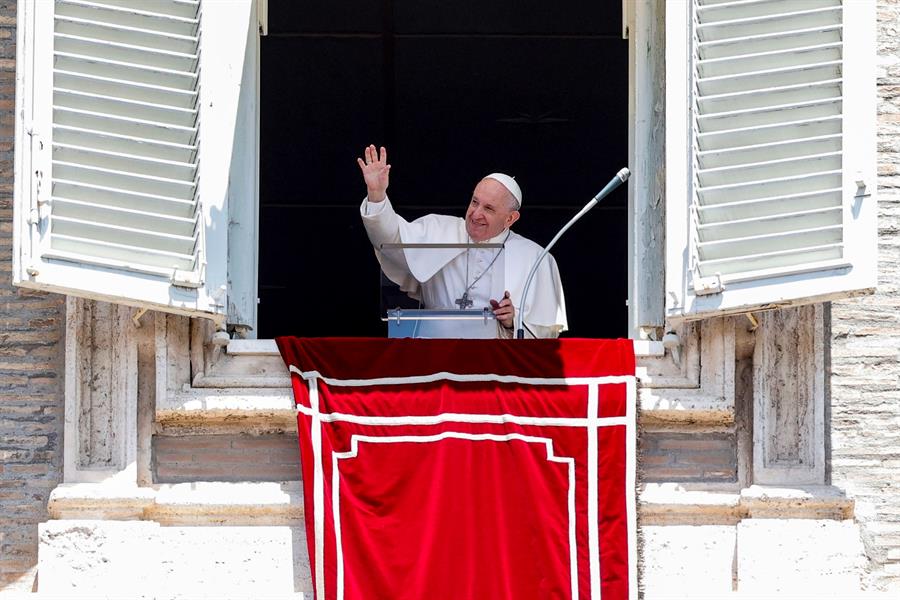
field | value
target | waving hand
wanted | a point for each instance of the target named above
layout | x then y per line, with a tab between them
375	171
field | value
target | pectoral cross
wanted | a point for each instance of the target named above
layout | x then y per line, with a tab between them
464	302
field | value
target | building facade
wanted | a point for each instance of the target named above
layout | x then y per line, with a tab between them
134	430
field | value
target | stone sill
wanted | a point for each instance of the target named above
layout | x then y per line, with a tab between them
815	594
198	503
673	504
662	407
272	409
266	403
217	503
268	348
206	409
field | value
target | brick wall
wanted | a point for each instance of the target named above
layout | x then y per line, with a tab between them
865	379
31	361
273	457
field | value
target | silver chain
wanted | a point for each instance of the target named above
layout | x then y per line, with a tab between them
465	293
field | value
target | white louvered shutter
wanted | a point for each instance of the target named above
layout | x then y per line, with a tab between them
120	158
770	153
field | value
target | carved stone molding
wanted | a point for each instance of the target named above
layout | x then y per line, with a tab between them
101	393
694	385
789	397
247	384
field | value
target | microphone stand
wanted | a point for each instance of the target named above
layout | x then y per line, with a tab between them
615	182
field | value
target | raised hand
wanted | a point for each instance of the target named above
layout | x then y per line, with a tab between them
375	171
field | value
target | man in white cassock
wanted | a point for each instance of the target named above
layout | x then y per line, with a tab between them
466	278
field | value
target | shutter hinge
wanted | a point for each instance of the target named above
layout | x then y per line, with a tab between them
38	212
704	286
187	279
219	296
861	189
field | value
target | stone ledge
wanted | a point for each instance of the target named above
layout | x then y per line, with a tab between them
683	407
282	503
204	409
99	501
692	594
672	504
272	409
250	392
802	502
269	348
200	503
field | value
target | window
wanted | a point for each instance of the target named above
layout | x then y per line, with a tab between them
454	90
137	145
770	154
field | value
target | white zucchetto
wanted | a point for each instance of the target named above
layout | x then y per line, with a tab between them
509	183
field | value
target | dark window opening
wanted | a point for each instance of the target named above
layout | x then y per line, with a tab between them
455	90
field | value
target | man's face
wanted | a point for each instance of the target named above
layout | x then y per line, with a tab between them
490	210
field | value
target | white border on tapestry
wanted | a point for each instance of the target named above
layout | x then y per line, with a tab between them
591	424
462	377
480	419
318	485
477	437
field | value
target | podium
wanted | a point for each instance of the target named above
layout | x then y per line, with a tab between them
440	290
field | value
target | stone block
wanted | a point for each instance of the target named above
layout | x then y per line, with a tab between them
141	559
683	561
799	556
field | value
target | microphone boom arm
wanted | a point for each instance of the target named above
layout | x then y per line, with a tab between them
616	181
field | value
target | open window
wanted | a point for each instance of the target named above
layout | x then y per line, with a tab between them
454	90
135	141
138	153
770	154
139	158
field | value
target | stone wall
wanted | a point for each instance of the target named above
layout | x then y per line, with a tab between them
226	457
709	457
865	348
31	361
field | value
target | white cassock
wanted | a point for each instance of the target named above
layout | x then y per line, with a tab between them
439	277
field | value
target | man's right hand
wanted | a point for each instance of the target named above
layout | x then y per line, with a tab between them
375	171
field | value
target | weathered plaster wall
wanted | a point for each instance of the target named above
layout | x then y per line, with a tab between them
865	350
31	354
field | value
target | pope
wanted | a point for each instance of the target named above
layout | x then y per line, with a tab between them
460	278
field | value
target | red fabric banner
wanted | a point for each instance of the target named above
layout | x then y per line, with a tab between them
467	468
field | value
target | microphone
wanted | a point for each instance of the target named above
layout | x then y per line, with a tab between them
620	178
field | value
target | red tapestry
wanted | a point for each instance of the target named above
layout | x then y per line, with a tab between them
467	468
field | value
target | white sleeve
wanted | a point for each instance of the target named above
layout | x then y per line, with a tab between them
539	331
381	222
372	209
